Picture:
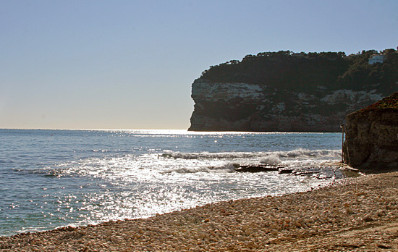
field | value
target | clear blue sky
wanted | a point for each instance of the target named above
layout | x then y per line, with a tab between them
95	64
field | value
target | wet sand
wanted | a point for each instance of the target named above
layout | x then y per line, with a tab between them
355	214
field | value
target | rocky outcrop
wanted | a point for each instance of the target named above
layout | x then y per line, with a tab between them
253	107
372	136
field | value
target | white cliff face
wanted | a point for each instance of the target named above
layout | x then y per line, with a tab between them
350	96
305	97
279	108
204	90
252	107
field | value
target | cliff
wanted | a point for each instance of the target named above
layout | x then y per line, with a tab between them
372	135
285	91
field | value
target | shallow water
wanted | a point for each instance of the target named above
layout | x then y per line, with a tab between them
52	178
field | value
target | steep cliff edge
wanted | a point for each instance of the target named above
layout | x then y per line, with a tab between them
253	107
372	135
285	91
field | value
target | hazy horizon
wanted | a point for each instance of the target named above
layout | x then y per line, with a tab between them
130	64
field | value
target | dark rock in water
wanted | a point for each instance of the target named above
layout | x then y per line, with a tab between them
372	136
285	171
310	171
306	173
256	168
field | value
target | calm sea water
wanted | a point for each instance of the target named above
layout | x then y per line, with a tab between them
53	178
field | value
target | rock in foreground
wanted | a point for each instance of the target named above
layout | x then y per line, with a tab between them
372	135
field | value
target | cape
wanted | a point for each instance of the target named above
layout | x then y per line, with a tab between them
291	92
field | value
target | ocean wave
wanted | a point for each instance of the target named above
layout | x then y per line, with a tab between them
226	162
272	159
226	168
267	157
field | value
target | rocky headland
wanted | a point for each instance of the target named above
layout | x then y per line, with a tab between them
253	107
372	136
286	91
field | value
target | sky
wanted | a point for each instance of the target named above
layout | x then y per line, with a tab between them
130	64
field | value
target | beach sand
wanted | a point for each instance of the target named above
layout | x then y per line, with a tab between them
355	214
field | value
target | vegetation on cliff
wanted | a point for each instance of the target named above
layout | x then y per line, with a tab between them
390	103
287	91
307	71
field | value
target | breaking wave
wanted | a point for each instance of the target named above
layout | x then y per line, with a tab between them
272	157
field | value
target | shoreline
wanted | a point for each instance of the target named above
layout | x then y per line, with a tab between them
353	214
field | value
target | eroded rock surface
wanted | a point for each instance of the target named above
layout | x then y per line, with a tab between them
372	135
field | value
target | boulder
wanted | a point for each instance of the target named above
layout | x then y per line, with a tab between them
371	136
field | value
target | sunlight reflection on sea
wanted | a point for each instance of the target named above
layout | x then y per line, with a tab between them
52	178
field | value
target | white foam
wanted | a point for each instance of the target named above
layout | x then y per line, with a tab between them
266	156
208	155
272	159
226	162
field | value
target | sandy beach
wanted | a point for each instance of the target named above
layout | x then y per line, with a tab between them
355	214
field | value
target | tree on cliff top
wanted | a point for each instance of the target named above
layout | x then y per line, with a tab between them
307	71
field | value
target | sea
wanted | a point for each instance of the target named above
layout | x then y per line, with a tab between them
57	178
